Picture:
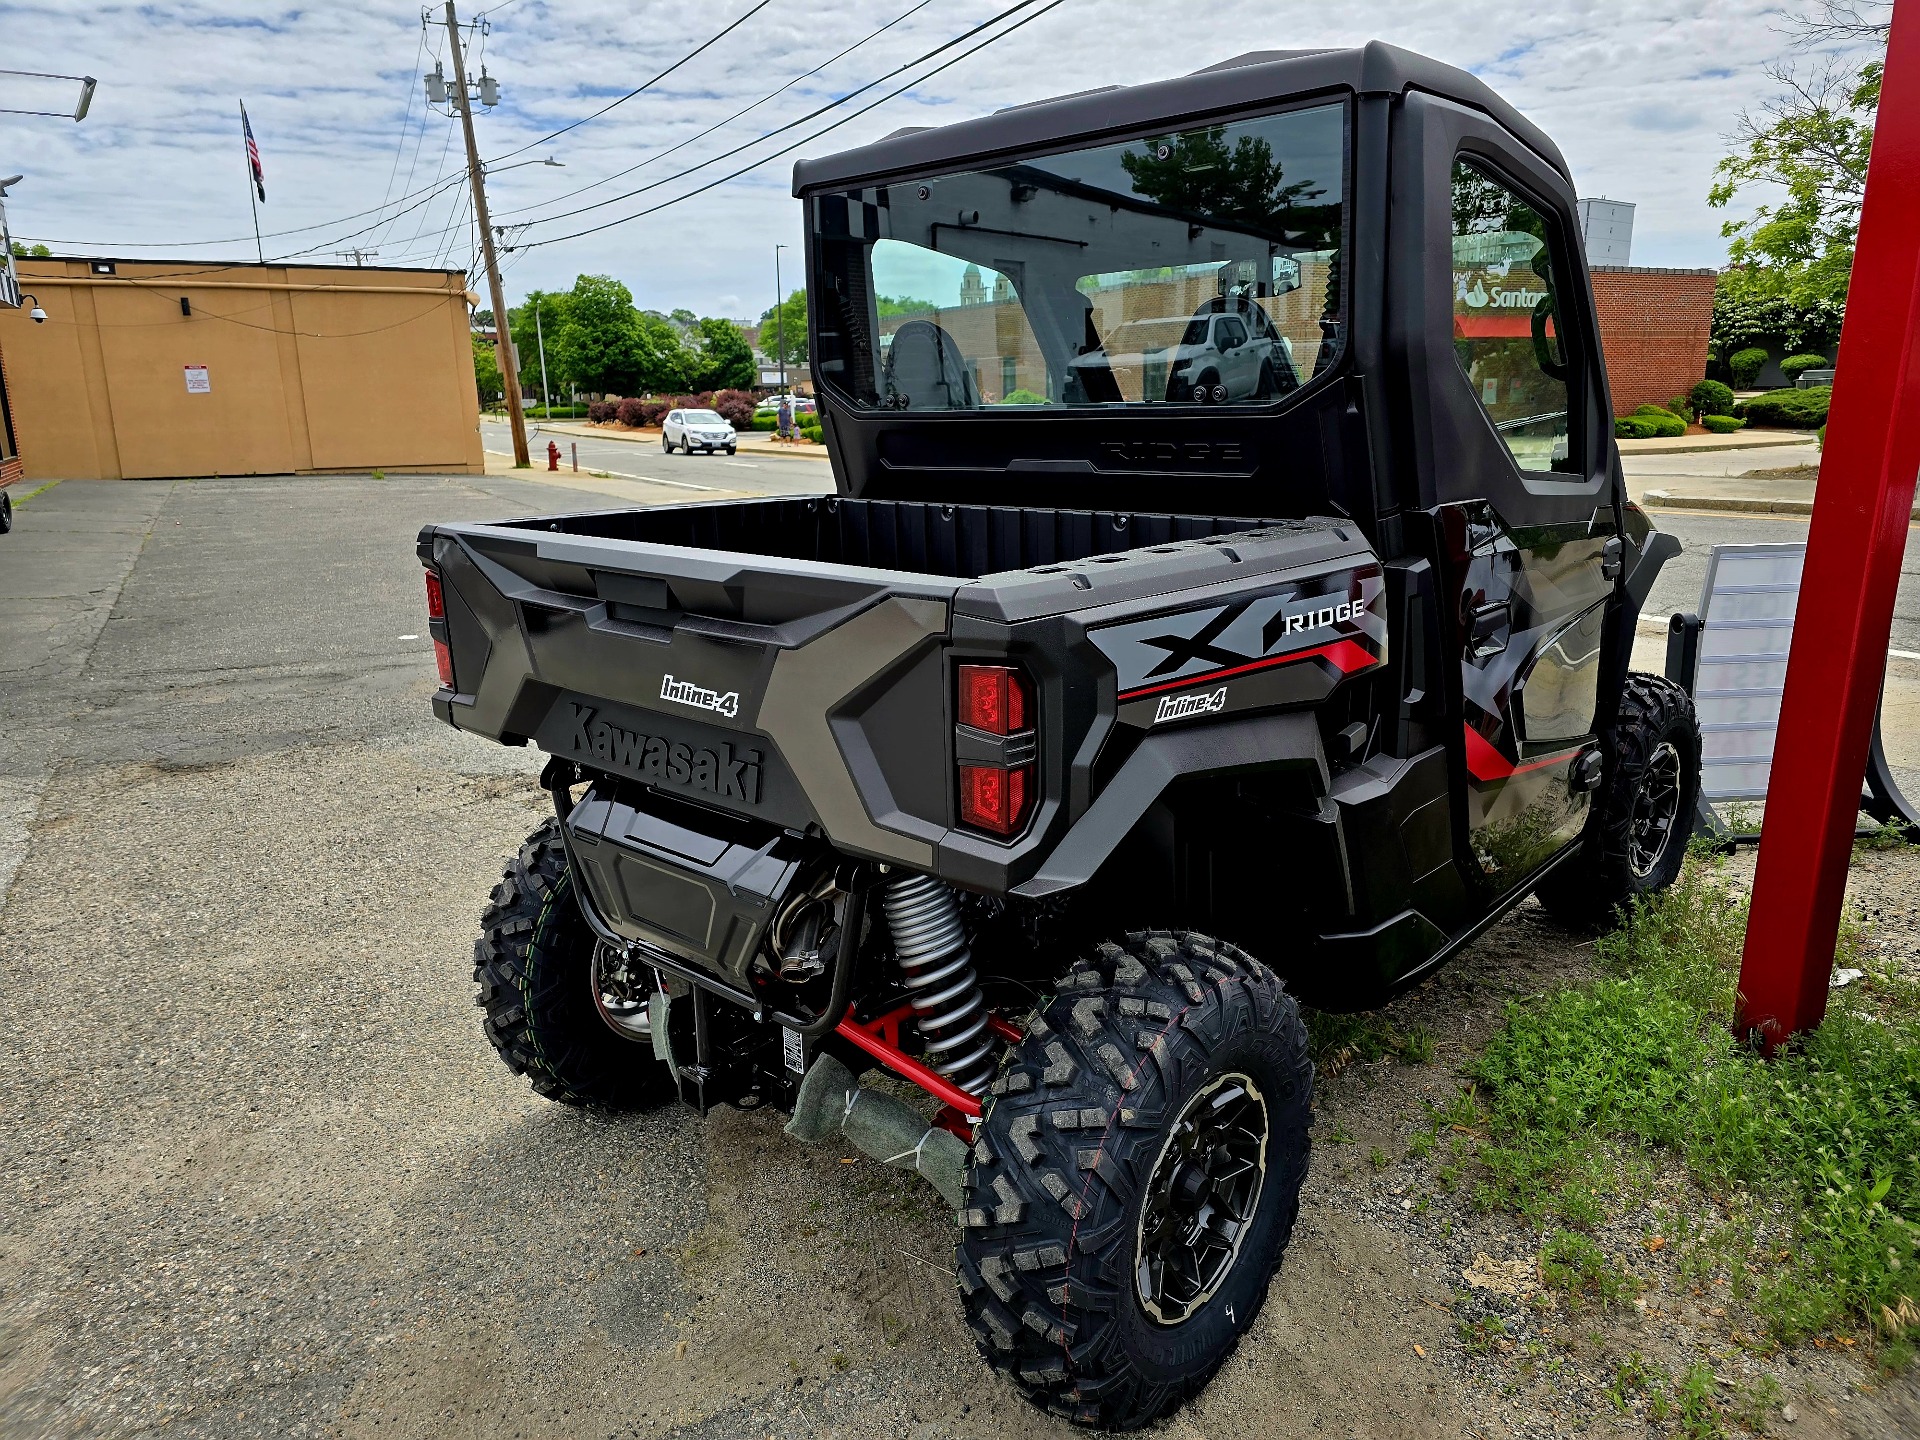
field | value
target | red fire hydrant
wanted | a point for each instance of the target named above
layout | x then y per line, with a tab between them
553	456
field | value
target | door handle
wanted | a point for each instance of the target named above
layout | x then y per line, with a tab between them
1488	628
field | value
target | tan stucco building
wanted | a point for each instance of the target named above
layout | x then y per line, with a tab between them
149	368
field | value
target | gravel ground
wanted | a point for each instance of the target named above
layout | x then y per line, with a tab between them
264	1177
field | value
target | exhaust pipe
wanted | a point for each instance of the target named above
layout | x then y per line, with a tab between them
832	1103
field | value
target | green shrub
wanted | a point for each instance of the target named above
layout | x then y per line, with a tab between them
1665	423
1794	364
1632	427
1681	406
1722	424
1791	409
1710	397
766	422
1746	366
1022	397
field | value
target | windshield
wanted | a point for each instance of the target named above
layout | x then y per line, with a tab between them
1199	267
703	417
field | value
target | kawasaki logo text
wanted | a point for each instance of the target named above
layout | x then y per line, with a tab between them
728	773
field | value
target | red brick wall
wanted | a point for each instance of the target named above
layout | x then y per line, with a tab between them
1654	326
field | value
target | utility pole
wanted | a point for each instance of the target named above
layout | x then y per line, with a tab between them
357	255
779	316
503	337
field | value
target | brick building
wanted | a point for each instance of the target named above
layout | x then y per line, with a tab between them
1654	326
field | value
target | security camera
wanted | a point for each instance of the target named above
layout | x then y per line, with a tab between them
37	315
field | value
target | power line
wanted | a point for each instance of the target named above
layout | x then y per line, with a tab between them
804	140
406	122
771	94
638	90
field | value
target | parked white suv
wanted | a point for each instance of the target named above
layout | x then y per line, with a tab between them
701	429
1218	355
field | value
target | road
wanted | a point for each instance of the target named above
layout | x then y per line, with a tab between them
752	473
262	1175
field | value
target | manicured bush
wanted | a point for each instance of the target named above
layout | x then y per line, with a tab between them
1663	421
631	412
1794	364
1681	406
1722	424
1633	427
600	411
1023	397
1746	366
1791	409
735	407
1710	398
766	422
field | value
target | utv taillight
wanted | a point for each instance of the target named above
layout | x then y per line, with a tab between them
995	748
992	798
437	624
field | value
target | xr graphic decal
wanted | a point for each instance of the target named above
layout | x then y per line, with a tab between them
1339	621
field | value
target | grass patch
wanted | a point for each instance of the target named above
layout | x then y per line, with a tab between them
1338	1040
1816	1153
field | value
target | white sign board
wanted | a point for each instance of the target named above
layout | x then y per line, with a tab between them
197	381
1746	629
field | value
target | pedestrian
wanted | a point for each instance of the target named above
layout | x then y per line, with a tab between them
786	417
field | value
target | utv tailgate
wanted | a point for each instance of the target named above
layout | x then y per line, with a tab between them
782	659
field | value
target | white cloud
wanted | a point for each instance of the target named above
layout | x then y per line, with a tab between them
1636	94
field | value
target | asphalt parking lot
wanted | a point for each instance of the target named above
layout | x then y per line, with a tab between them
263	1176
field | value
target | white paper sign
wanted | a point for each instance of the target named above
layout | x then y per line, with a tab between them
197	382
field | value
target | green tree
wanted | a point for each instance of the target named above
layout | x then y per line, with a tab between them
786	322
1812	142
552	310
724	360
482	320
1200	175
24	251
663	364
486	374
892	305
599	345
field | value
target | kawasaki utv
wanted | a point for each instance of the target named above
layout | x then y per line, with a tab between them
1130	687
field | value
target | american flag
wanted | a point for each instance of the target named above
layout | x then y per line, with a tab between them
253	154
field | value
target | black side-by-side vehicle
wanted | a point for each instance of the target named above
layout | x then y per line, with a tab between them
1227	598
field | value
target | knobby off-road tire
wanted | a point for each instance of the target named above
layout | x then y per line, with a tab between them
1140	1040
1636	835
534	965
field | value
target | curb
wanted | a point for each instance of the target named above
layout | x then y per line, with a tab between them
1739	504
1700	445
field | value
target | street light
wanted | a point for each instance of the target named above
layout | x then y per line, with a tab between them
780	318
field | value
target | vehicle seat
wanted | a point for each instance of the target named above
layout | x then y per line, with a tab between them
925	370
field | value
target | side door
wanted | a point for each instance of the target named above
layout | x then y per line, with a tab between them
1518	475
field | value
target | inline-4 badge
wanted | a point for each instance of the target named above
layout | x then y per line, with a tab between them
1182	707
698	697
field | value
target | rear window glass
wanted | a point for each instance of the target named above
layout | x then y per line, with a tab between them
1195	267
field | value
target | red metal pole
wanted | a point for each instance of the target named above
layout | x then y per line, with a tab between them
1861	512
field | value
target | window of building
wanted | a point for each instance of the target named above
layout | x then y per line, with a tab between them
1506	328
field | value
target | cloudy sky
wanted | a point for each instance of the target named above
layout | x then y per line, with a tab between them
1638	95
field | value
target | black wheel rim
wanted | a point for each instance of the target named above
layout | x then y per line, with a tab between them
1200	1198
1656	811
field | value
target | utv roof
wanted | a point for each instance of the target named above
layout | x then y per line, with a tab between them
1260	78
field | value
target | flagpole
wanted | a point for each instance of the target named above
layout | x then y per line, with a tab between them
252	204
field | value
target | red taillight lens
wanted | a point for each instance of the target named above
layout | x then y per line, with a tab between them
437	623
994	799
993	698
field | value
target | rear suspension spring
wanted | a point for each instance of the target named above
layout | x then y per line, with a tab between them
931	946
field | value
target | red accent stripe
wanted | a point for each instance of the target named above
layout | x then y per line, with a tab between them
1486	763
1347	656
